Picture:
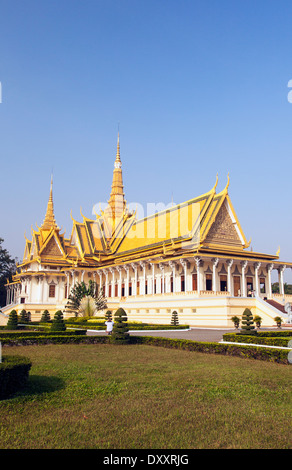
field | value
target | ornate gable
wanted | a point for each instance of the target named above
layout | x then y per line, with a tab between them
223	230
52	248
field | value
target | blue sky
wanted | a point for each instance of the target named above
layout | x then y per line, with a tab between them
198	87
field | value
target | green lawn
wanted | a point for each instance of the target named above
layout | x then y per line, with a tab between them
145	397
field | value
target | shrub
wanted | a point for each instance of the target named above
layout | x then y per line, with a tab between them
247	327
246	351
120	333
12	323
108	315
14	372
266	340
45	317
258	321
278	320
58	323
174	318
236	321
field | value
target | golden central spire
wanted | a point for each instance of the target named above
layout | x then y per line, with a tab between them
117	202
49	221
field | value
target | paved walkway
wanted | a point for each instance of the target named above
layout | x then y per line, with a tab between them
195	334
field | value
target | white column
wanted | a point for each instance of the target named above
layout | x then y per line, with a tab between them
127	269
106	283
113	282
41	288
269	287
229	283
184	265
198	263
134	287
281	279
119	269
68	284
214	275
173	266
161	267
73	278
243	283
100	273
256	271
142	284
82	275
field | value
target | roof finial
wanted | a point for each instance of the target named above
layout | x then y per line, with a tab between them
49	221
118	156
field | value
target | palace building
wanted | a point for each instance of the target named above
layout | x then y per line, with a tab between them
193	258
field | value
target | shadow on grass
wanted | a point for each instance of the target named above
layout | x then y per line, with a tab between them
39	385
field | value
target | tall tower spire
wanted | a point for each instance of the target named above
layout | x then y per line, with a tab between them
117	203
49	221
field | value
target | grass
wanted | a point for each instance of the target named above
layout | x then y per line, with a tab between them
144	397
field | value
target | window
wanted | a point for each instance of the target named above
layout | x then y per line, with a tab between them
194	282
208	281
223	283
52	289
182	283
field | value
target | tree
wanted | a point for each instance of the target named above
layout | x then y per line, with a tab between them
258	321
120	333
247	323
174	318
24	316
45	317
12	323
236	321
108	315
58	323
79	292
278	320
7	269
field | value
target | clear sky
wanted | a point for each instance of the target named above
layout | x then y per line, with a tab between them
198	87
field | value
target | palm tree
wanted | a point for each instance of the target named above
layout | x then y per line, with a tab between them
79	292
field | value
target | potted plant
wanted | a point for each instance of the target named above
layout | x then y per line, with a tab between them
258	321
278	320
236	321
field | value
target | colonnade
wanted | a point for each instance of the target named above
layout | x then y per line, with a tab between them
197	275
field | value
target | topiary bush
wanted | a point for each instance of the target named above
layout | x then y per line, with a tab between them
45	317
14	371
247	323
120	333
12	323
174	318
58	324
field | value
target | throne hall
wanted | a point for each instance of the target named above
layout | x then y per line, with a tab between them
192	257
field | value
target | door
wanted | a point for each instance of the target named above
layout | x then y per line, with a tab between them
236	285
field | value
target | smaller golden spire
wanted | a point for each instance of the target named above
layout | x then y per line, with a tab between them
49	221
118	156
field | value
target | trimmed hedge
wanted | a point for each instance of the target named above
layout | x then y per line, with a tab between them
255	339
18	335
275	333
57	338
14	371
250	352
